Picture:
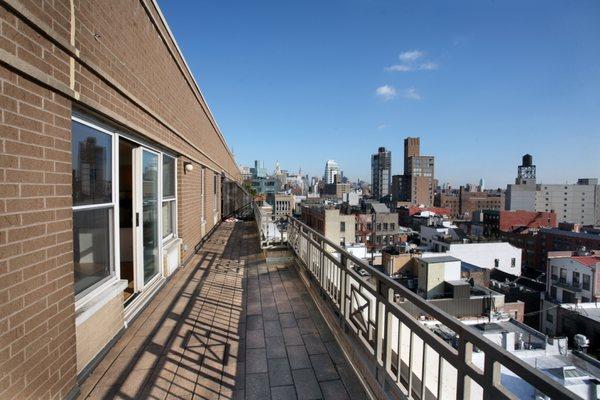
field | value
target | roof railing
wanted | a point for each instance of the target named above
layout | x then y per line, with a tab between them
412	360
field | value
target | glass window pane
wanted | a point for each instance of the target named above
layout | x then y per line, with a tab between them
92	165
150	215
91	247
167	217
168	176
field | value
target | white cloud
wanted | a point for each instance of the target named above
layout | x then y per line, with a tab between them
412	94
429	66
399	68
382	126
386	92
411	55
409	62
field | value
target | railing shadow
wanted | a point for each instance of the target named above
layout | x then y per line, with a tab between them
195	339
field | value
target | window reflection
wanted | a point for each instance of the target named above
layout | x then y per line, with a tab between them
91	247
91	165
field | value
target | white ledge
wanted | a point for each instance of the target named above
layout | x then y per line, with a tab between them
98	300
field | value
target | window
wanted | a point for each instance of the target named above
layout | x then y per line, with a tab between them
392	226
513	262
584	299
385	226
496	263
169	205
563	275
549	317
215	192
568	297
93	206
342	226
575	279
553	292
585	282
342	241
202	173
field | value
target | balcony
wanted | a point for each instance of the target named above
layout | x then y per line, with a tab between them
299	323
228	325
574	287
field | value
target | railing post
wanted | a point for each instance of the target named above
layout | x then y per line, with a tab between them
492	377
321	267
343	266
381	329
463	381
440	382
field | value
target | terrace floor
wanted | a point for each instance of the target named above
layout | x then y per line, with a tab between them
227	326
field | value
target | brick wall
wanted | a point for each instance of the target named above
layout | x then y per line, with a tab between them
123	67
37	326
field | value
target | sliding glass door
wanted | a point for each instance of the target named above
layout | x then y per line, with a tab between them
147	215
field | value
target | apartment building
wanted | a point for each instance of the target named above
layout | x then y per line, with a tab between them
572	278
284	206
384	224
464	203
381	173
417	184
337	189
496	221
329	222
577	203
113	170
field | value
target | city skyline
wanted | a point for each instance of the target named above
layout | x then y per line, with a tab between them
441	182
463	84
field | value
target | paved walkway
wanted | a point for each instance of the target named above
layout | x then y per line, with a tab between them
227	327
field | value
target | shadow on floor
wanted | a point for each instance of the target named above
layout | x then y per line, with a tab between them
227	326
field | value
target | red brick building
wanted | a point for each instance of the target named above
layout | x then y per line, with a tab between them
405	213
495	221
464	203
112	171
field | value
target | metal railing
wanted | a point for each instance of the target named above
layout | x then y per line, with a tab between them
409	359
270	231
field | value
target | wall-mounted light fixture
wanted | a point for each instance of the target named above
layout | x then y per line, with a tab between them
188	166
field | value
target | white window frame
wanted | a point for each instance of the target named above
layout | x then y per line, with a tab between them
215	183
115	273
202	191
172	199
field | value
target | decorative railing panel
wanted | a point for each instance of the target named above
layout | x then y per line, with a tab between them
415	361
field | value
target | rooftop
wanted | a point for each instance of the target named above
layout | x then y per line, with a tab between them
439	259
589	261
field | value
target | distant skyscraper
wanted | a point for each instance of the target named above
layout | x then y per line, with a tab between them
381	172
259	170
417	183
412	147
481	184
331	170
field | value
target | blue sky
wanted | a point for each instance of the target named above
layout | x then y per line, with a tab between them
481	82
